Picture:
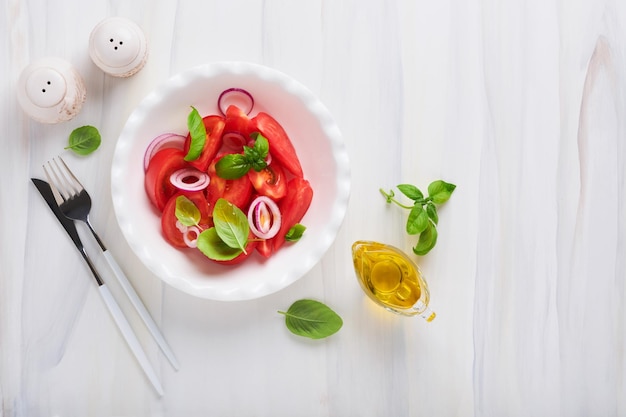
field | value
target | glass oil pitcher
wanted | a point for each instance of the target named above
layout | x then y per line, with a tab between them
391	279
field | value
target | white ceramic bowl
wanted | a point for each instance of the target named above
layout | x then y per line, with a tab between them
318	143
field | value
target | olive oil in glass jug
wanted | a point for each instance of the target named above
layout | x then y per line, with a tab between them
391	279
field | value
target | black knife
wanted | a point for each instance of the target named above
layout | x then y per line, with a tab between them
68	225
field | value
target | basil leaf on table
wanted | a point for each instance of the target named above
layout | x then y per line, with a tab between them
312	319
84	140
423	217
440	191
427	240
411	191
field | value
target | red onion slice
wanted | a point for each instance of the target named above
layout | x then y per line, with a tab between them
166	140
190	236
264	217
181	227
190	179
234	141
237	96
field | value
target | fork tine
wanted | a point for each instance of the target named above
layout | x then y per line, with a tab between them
78	187
71	187
58	196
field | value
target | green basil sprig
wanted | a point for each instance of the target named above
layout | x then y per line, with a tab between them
197	132
233	166
312	319
84	140
423	217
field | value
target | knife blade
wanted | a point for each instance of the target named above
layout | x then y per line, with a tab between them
69	226
46	192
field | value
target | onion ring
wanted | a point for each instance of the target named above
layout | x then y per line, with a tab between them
235	96
180	179
166	140
234	140
262	206
191	242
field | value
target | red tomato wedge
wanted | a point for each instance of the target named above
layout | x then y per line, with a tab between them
168	218
237	191
157	178
237	121
281	147
270	181
214	126
292	207
265	248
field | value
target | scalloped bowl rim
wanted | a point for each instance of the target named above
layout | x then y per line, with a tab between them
325	163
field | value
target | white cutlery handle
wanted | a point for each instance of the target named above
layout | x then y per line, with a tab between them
141	309
130	337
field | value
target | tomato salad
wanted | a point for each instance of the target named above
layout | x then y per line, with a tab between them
231	186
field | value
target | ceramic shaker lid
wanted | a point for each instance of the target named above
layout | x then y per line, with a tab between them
51	90
118	47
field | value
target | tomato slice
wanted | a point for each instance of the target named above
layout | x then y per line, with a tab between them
157	177
237	121
292	207
281	147
214	128
237	191
270	181
265	248
168	219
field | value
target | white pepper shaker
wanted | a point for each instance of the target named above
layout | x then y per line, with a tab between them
118	47
50	90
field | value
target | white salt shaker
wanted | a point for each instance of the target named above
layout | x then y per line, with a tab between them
118	47
50	90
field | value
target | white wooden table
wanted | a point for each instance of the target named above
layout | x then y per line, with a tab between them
521	104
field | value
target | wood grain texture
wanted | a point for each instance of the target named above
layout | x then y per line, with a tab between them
521	104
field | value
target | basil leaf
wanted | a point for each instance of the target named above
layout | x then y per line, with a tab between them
259	164
423	217
231	224
210	244
440	191
232	166
84	140
197	131
431	209
261	145
411	192
186	211
312	319
257	154
295	233
427	240
417	221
